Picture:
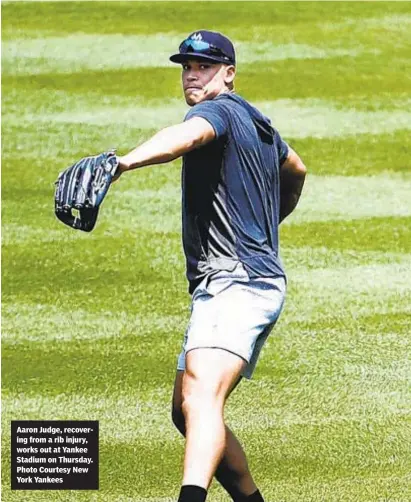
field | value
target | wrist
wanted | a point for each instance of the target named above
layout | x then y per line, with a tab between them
122	165
127	163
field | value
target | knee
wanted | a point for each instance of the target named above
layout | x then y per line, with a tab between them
198	397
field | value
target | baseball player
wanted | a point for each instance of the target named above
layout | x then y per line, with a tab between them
240	180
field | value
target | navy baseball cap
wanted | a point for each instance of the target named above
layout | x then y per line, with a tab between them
205	45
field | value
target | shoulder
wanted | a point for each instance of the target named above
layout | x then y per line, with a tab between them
216	111
216	105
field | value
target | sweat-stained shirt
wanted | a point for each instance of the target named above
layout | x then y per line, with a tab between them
231	192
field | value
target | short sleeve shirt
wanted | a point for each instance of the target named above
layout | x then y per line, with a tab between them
231	196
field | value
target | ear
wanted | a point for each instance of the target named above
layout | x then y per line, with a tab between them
229	74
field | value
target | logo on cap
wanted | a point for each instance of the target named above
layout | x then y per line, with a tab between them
197	36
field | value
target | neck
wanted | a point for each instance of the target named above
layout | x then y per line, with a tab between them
226	90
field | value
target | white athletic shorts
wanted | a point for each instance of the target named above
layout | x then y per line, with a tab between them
230	311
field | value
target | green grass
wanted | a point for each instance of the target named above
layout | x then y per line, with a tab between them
93	324
175	16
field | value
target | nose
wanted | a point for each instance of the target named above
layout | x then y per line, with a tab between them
192	76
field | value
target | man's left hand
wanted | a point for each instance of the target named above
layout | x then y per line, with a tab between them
82	187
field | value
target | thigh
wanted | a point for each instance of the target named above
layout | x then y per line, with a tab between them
212	371
177	400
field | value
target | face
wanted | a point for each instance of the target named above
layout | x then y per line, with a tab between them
203	80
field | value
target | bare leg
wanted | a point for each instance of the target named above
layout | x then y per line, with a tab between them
232	471
209	376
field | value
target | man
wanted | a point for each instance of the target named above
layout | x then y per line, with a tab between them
240	179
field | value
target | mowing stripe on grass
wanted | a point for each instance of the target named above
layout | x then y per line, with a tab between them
367	234
356	291
320	308
80	52
360	78
122	418
363	154
294	118
364	279
351	197
47	323
394	22
322	119
325	198
312	257
359	155
245	18
13	233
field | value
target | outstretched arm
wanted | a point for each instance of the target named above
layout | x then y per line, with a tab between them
292	175
169	144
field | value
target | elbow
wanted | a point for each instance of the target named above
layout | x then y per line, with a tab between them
194	143
295	170
301	169
191	139
294	165
187	144
298	166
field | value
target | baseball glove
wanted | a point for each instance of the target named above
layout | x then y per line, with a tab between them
83	187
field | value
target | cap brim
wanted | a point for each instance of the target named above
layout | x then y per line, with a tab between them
182	58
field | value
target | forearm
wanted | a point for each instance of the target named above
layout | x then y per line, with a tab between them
289	196
292	176
168	144
159	149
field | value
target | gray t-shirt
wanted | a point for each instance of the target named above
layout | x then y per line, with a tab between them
231	192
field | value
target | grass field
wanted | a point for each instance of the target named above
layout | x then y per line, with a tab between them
92	324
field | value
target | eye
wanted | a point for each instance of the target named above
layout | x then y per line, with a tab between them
185	67
204	66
